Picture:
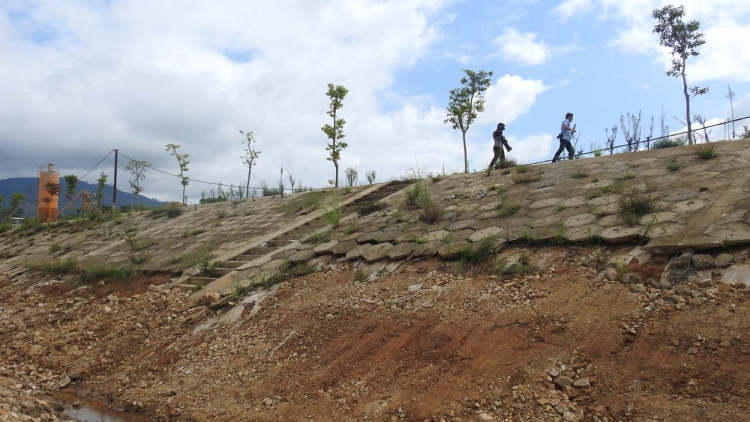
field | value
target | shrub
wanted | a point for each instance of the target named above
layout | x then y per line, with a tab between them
436	179
55	247
506	164
526	177
318	238
506	207
287	271
414	192
57	267
208	266
579	173
221	214
94	273
431	211
334	214
668	143
673	165
476	256
173	212
706	152
635	205
523	169
626	176
138	259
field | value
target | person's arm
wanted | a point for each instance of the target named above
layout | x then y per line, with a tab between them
566	127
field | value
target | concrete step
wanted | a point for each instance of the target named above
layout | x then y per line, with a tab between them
279	243
223	271
259	251
186	287
233	264
286	237
248	258
200	281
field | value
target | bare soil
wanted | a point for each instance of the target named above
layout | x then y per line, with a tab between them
325	347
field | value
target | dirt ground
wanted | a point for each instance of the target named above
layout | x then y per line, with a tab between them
420	344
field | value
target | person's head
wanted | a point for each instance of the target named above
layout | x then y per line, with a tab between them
569	117
501	126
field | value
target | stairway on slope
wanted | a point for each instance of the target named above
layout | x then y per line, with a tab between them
290	236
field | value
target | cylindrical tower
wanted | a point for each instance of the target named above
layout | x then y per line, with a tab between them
49	192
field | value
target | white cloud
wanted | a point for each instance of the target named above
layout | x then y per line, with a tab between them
522	47
724	24
646	86
568	8
509	97
137	75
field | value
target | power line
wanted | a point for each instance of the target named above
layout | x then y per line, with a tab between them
97	164
203	181
651	139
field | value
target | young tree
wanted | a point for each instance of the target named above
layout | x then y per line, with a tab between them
611	138
251	154
100	183
15	203
700	119
281	183
183	162
336	132
631	130
292	181
53	189
371	175
137	168
650	133
684	40
466	102
730	95
71	184
351	176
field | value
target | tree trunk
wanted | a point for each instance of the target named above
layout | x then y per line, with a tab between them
183	195
249	170
687	105
466	158
336	164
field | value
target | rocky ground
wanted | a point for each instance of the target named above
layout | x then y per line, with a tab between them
423	343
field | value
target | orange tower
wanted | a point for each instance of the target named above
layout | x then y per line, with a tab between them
49	192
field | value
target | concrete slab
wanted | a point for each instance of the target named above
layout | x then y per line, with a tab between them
377	252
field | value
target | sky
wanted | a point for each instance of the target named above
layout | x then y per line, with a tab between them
82	77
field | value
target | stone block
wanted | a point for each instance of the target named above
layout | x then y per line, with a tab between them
580	220
703	262
377	253
342	248
428	249
724	260
401	251
620	234
301	256
357	252
450	250
325	248
490	232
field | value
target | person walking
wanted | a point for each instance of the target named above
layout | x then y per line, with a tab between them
497	148
566	132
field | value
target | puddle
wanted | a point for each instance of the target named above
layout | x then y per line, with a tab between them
91	412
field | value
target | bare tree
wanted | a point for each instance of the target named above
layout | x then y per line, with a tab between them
631	130
371	175
291	181
698	118
251	154
730	95
351	176
650	133
663	123
611	138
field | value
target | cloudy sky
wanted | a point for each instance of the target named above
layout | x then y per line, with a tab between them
81	77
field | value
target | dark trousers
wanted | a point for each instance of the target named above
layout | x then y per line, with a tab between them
564	144
499	155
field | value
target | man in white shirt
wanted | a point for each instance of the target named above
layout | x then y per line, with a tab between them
566	132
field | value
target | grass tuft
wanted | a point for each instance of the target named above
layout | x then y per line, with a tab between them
706	152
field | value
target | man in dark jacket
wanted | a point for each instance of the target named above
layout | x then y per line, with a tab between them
497	148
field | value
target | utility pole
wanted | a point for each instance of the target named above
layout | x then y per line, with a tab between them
114	192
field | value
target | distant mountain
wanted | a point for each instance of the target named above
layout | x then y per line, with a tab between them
29	186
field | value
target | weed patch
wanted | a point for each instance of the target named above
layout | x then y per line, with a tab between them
371	207
635	205
579	173
706	152
673	165
334	214
318	238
